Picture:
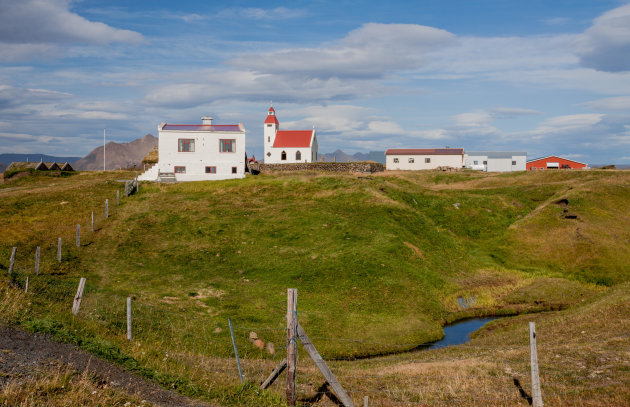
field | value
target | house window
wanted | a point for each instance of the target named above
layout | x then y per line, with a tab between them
411	161
513	162
186	145
211	170
268	154
475	162
233	170
396	160
227	145
283	156
298	156
485	163
180	170
269	125
427	160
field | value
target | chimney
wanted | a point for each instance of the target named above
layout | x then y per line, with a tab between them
206	120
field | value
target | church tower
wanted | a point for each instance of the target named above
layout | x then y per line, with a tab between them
270	130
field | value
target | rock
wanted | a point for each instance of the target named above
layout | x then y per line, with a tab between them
253	336
218	330
270	348
259	344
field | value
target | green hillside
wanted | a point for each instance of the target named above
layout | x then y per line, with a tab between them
384	260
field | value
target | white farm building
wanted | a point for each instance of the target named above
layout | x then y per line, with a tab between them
287	146
199	152
496	161
423	158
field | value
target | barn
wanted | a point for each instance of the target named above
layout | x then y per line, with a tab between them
553	162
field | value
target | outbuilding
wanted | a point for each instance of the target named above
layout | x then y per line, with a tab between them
496	161
553	162
423	158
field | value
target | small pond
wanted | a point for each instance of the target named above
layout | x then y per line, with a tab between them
459	332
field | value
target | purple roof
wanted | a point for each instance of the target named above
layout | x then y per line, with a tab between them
203	127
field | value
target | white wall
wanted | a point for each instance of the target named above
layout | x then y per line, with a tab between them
456	161
276	155
503	164
206	154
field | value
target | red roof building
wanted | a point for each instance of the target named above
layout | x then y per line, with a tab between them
553	162
287	146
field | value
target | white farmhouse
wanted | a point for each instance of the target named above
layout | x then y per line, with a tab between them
288	146
496	161
423	158
199	152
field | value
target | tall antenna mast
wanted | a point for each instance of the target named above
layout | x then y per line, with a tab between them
103	149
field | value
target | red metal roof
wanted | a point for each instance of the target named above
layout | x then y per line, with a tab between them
293	138
203	127
553	157
271	109
271	118
425	151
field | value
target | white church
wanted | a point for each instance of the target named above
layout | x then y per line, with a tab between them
288	146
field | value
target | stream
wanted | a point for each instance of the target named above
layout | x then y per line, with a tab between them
459	332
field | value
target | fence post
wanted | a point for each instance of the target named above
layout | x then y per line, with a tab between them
117	197
92	221
37	261
26	285
366	401
77	299
58	249
238	361
128	318
78	235
12	261
106	208
291	345
536	393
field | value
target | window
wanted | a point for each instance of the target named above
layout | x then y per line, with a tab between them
180	170
427	160
485	163
283	156
298	156
186	145
268	154
395	160
233	170
476	162
269	125
411	161
211	170
513	162
227	145
268	139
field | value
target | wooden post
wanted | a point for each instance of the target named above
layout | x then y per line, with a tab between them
533	354
77	299
106	208
58	249
78	235
26	285
366	401
128	318
92	221
117	197
291	345
12	260
238	361
274	375
37	261
321	365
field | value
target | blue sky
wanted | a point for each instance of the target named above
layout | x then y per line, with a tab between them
546	77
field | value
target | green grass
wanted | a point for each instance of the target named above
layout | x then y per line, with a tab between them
382	260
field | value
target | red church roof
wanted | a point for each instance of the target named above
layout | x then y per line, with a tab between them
293	138
271	119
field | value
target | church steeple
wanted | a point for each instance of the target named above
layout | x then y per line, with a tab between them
271	127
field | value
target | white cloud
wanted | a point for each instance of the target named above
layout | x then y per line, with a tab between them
371	51
621	103
605	45
278	13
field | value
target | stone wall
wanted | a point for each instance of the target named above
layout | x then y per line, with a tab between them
365	167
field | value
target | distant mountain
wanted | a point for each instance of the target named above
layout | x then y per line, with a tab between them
7	159
341	157
117	155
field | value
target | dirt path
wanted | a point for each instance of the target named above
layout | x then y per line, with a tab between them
22	353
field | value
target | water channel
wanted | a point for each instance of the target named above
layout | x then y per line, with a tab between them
459	332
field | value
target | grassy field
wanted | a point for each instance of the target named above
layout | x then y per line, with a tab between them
381	263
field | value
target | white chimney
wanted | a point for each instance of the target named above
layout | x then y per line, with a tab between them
206	120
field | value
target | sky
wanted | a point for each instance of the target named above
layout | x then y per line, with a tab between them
546	77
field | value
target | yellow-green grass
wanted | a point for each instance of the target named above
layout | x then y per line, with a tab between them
380	260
